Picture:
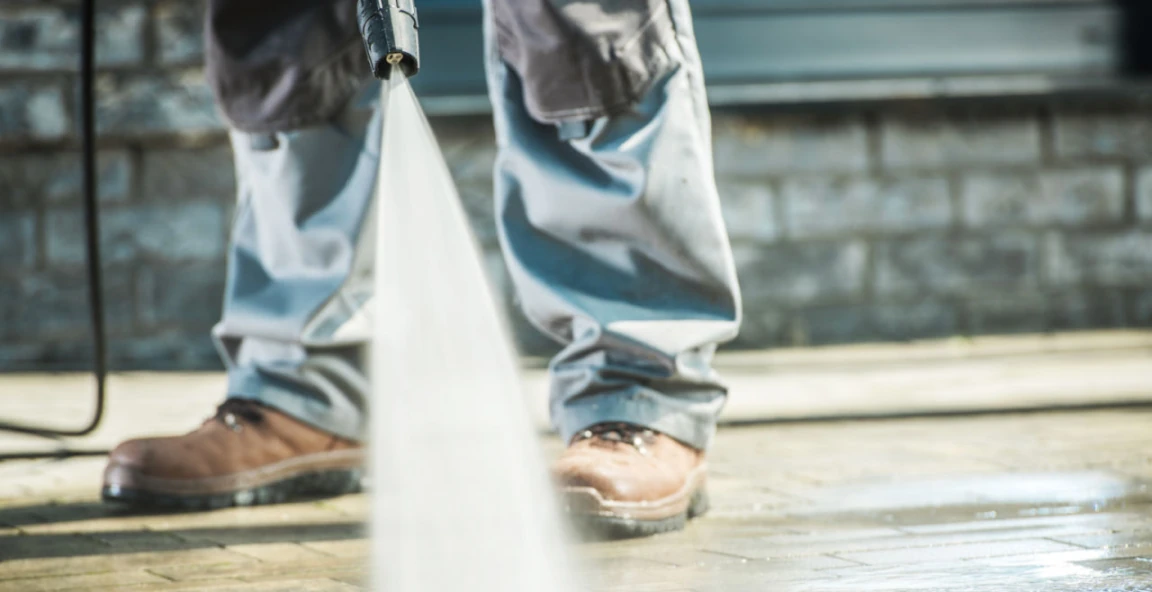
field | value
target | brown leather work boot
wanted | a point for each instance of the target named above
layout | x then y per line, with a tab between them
246	454
621	480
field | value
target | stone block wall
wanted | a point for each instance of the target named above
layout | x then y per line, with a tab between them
907	221
166	185
871	223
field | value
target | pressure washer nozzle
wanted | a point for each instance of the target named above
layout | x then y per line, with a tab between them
390	31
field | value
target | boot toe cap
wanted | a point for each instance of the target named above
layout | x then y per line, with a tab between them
611	480
132	453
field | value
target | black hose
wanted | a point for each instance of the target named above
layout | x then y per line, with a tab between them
92	231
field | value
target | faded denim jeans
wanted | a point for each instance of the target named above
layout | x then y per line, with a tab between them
605	197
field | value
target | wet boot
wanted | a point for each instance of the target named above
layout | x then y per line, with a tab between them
622	480
246	454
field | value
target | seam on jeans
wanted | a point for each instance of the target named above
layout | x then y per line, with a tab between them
642	29
676	34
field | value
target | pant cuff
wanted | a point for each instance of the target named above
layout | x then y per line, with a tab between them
294	400
645	407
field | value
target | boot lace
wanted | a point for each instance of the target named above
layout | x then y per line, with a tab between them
232	411
638	437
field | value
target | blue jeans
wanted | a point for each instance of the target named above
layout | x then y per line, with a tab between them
610	227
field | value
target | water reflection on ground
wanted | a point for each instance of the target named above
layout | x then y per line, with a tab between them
1048	502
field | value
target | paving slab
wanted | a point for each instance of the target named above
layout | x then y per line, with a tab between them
1043	500
939	376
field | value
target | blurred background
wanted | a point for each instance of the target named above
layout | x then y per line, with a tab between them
890	170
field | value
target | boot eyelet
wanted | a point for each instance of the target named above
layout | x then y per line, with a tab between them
230	421
639	444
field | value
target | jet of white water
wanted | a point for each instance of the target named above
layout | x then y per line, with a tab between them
461	497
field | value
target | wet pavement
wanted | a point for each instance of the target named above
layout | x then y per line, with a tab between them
1053	501
1041	501
1048	501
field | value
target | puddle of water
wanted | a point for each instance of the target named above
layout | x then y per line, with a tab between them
969	577
984	496
945	534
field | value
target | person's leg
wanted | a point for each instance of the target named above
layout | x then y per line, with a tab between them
611	227
299	269
305	131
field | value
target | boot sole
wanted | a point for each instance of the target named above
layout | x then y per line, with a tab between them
599	519
616	527
314	475
311	485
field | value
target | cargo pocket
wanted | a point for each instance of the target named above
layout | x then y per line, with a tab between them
584	59
281	66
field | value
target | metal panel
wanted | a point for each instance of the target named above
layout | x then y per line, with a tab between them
706	6
797	46
765	43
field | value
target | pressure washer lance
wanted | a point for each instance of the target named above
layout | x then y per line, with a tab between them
390	32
